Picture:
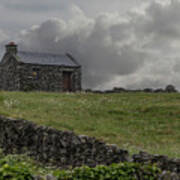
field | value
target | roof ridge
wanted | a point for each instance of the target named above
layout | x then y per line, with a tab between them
46	58
45	53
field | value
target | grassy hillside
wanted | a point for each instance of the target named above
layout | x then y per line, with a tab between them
134	121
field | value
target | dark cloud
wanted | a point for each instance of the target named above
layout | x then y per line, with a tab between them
91	7
34	6
20	14
91	42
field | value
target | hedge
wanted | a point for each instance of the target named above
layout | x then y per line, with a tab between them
15	167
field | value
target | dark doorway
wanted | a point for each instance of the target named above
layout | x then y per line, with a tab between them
67	82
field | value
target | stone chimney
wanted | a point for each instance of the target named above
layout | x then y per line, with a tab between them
11	48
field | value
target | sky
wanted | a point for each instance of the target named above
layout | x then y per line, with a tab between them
132	43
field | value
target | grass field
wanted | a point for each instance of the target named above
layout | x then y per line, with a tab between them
134	121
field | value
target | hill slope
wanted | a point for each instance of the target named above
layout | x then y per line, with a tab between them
134	121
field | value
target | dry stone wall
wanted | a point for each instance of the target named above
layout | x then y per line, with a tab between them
65	149
61	148
165	163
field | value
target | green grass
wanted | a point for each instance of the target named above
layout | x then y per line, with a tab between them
134	121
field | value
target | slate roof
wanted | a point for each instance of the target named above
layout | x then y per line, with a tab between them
46	59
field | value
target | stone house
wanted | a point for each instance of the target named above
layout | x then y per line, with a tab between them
26	71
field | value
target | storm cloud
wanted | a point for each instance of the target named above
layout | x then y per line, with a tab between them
102	45
136	50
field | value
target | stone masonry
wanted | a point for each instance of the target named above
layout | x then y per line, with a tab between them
61	148
19	74
66	149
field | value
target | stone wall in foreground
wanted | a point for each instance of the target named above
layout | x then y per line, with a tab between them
61	148
65	149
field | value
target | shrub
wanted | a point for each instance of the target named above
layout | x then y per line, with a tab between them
20	167
15	172
12	168
122	171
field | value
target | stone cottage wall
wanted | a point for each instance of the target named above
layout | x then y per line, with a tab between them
46	77
37	77
16	76
9	76
76	78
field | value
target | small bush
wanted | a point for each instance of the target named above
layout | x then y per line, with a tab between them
123	171
15	172
21	167
18	167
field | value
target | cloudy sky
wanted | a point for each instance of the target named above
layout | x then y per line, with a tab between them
130	43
